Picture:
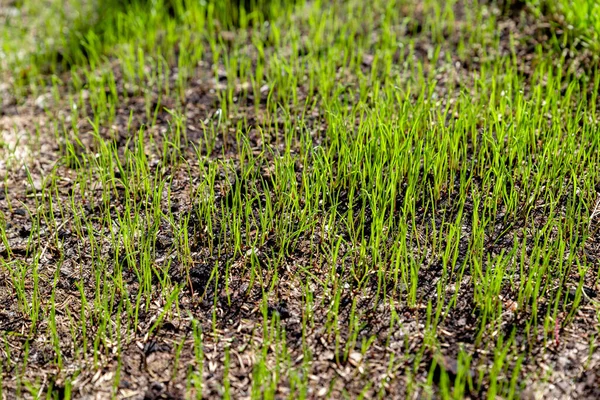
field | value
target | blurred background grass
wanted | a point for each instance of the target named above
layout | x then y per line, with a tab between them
41	38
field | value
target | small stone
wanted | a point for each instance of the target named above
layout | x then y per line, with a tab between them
355	358
327	355
35	186
42	101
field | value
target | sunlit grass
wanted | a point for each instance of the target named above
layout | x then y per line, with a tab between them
342	154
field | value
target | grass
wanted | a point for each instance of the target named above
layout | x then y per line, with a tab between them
340	199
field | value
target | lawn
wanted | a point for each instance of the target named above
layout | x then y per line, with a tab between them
299	199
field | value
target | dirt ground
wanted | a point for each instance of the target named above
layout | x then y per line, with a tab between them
565	366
